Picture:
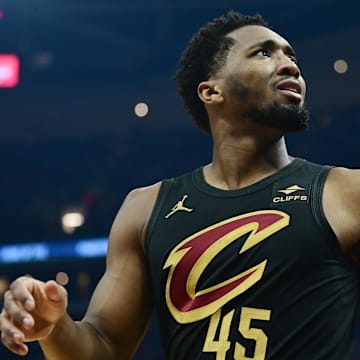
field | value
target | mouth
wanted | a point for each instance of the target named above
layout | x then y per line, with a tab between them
290	88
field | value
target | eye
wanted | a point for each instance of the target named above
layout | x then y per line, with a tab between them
293	59
262	52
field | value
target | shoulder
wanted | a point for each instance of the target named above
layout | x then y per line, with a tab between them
339	176
344	184
131	220
342	204
141	199
143	194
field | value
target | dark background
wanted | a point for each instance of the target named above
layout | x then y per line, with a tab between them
70	139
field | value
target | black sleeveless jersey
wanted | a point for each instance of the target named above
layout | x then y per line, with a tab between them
255	273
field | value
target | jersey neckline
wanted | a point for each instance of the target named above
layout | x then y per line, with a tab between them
202	185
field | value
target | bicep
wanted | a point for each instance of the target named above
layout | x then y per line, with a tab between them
120	313
342	205
121	305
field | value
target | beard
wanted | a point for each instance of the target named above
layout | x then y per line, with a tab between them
288	117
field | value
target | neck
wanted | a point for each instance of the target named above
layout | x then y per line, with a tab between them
240	160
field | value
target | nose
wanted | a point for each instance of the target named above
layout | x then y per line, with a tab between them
287	66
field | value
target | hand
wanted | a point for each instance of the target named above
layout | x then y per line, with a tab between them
31	310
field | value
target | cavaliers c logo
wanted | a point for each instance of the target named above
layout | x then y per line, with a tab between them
189	259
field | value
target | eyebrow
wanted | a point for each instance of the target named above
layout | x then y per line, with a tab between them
271	44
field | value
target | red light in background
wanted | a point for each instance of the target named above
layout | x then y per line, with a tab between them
9	70
2	14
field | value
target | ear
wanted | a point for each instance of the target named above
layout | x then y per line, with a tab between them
210	92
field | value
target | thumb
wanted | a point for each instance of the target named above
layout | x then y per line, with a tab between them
55	292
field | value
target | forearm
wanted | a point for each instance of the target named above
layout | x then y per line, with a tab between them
76	340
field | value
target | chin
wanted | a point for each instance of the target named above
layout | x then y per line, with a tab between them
287	117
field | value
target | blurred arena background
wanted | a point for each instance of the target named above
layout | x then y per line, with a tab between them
89	111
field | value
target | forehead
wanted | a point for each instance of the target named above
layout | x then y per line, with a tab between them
252	34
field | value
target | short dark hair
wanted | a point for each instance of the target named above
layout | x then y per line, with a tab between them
204	56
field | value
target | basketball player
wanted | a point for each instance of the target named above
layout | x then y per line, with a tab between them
252	256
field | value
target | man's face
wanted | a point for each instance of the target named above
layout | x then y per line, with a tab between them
263	79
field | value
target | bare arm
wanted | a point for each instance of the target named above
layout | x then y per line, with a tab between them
120	308
342	208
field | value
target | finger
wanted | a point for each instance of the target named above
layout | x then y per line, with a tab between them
17	348
11	336
55	292
9	329
16	312
22	289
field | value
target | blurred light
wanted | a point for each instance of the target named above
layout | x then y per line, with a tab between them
83	282
83	279
141	109
42	59
91	248
73	219
2	14
88	199
68	230
62	278
340	66
54	250
28	252
9	70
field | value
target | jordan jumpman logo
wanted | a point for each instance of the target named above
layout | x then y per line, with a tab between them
179	207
